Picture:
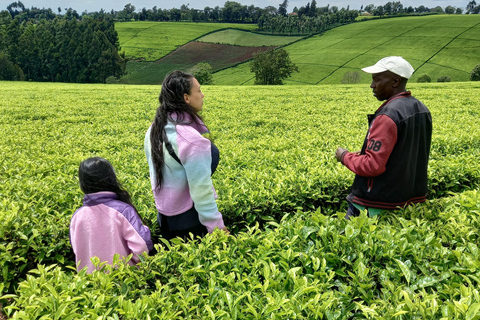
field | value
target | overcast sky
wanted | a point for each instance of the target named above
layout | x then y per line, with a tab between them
108	5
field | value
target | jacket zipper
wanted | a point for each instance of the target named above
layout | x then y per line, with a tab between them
369	184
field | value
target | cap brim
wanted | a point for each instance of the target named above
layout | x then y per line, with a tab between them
374	69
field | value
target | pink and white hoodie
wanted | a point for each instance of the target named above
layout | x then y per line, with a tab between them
104	226
190	183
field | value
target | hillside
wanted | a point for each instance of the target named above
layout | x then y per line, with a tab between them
440	45
150	41
156	48
184	58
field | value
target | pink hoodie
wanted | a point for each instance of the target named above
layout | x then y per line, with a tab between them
104	226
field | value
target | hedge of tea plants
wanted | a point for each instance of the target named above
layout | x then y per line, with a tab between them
419	263
277	171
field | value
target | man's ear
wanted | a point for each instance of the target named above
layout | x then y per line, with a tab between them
397	81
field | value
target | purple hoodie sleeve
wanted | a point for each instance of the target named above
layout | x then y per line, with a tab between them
134	219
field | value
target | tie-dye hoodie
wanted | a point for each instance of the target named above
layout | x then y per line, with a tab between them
104	226
189	183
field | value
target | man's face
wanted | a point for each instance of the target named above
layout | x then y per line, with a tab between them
383	85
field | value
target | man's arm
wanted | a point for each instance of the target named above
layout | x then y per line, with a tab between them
382	138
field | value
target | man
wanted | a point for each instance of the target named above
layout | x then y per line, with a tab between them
391	169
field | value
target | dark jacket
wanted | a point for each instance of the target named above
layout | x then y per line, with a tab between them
391	169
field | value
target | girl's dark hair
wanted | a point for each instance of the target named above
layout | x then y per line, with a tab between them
96	174
174	108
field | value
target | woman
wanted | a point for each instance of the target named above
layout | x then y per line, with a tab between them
181	161
107	223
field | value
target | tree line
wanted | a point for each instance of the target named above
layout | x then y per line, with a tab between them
393	8
306	24
62	49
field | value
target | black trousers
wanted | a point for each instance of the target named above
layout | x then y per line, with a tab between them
352	212
181	225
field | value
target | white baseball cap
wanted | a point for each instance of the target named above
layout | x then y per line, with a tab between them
394	64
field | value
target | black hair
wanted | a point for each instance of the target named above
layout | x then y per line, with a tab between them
172	102
96	174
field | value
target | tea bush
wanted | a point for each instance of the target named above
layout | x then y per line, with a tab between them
277	146
418	263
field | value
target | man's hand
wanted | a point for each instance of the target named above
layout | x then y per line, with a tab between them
339	152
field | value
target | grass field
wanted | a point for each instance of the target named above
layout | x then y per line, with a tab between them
247	39
277	169
151	41
435	45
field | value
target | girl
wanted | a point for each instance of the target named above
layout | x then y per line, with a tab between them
107	223
181	161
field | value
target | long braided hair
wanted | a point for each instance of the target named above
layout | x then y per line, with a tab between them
172	102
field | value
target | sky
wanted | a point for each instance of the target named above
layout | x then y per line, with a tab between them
108	5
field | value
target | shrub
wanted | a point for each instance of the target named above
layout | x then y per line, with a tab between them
444	79
8	70
203	73
424	78
111	80
351	77
475	74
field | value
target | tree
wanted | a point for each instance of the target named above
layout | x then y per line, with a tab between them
13	8
471	6
313	9
272	67
369	8
378	11
5	17
282	9
449	10
421	9
203	73
388	7
127	13
475	74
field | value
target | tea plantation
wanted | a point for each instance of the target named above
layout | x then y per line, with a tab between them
291	254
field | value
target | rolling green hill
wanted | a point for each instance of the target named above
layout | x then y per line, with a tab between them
440	45
150	41
157	48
